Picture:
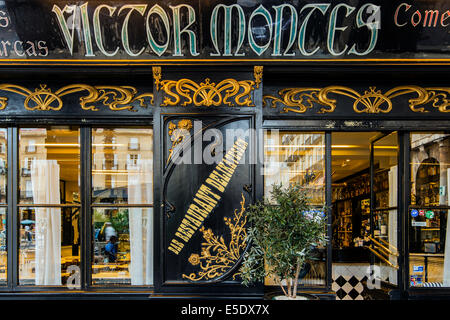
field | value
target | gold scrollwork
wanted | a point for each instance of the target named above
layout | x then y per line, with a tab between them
228	92
438	96
178	133
257	74
44	99
157	76
440	100
216	256
373	101
297	100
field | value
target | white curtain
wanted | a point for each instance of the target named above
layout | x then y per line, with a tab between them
140	191
447	239
393	194
45	187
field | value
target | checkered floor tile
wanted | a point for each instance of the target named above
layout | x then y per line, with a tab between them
348	287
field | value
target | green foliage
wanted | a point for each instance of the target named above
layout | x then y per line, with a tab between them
119	221
99	216
283	234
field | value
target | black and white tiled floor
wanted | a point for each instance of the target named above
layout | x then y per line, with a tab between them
348	288
348	280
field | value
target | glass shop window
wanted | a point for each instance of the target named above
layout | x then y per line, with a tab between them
298	157
428	223
49	210
3	205
122	206
385	244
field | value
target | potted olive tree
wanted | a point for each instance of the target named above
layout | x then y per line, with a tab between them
283	233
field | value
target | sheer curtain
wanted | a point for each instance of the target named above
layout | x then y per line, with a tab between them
45	187
447	239
393	194
140	191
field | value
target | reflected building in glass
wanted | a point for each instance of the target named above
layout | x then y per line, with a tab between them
122	179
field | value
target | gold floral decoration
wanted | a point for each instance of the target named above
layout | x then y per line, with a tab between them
194	259
178	133
297	100
372	101
44	99
230	92
157	76
438	97
216	256
257	74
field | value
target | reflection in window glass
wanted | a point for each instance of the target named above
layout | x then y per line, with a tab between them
3	201
49	240
385	189
122	173
119	154
123	246
298	157
49	171
295	157
3	249
429	240
3	166
49	160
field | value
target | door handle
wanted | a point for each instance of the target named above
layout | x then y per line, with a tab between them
169	209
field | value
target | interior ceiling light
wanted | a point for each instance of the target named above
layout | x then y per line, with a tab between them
385	147
112	172
344	146
74	145
294	146
55	144
339	146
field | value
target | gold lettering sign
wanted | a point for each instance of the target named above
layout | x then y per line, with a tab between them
207	196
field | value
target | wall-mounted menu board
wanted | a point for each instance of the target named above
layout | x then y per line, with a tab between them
267	31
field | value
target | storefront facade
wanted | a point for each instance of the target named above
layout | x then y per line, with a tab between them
134	135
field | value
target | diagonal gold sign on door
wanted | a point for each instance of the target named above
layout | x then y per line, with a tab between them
208	196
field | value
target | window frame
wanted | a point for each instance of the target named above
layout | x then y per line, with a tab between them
16	205
86	231
85	186
327	195
90	206
407	207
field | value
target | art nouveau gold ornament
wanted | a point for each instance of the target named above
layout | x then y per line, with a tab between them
217	257
157	76
116	98
229	92
372	101
177	133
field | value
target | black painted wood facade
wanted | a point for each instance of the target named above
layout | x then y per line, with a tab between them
336	97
